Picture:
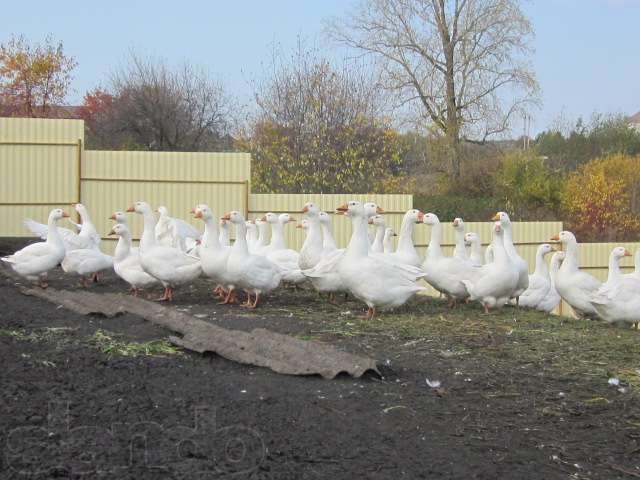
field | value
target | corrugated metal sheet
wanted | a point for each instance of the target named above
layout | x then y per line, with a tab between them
41	130
13	215
167	166
38	173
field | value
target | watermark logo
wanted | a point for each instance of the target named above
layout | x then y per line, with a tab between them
202	448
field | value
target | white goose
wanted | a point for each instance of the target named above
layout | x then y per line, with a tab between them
574	285
224	237
325	276
252	235
494	282
174	232
213	255
311	251
254	273
35	260
126	260
445	274
472	239
553	297
263	236
521	265
387	241
618	299
459	250
86	262
285	258
540	284
406	252
88	236
378	241
376	282
170	265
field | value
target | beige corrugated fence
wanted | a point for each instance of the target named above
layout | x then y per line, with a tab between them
44	165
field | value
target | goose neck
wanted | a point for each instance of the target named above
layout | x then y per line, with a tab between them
359	243
328	241
434	247
541	266
211	234
148	238
614	268
277	236
123	247
240	245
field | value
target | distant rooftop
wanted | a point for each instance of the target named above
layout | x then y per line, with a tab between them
634	118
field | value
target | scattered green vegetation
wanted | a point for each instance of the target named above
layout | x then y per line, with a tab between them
108	343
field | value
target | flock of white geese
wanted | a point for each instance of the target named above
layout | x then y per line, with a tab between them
172	252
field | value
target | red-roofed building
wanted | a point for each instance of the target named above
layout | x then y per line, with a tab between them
634	121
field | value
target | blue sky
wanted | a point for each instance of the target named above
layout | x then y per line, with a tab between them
587	51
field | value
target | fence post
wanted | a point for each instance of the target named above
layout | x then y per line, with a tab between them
79	173
246	199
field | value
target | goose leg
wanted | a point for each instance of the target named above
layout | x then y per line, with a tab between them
486	309
227	298
255	302
332	298
166	296
43	281
247	304
171	294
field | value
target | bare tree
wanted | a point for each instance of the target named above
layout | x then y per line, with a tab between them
318	125
463	63
158	108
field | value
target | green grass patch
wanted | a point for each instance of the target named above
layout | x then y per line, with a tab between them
110	344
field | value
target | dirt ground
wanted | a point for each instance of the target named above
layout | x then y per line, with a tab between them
522	395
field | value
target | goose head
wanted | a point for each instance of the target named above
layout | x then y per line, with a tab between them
371	209
57	213
430	219
565	237
352	208
414	215
80	208
285	218
324	218
503	218
458	224
119	229
377	220
311	209
388	232
498	230
119	217
271	218
303	224
620	252
163	211
234	217
545	249
202	211
471	238
140	207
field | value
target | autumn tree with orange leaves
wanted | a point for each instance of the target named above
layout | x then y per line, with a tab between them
33	77
602	199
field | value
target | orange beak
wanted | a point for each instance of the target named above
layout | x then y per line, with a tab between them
112	217
627	253
264	218
193	210
299	225
496	217
420	217
379	210
370	221
226	217
342	208
131	209
198	214
555	238
65	215
111	232
305	209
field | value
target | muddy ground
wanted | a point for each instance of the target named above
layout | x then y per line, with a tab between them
522	395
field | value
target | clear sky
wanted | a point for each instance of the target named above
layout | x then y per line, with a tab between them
587	51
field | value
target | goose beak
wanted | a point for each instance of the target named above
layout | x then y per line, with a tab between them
193	211
264	218
342	209
555	238
131	209
627	253
496	217
112	217
198	214
226	217
305	209
370	221
65	215
111	232
420	217
379	210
